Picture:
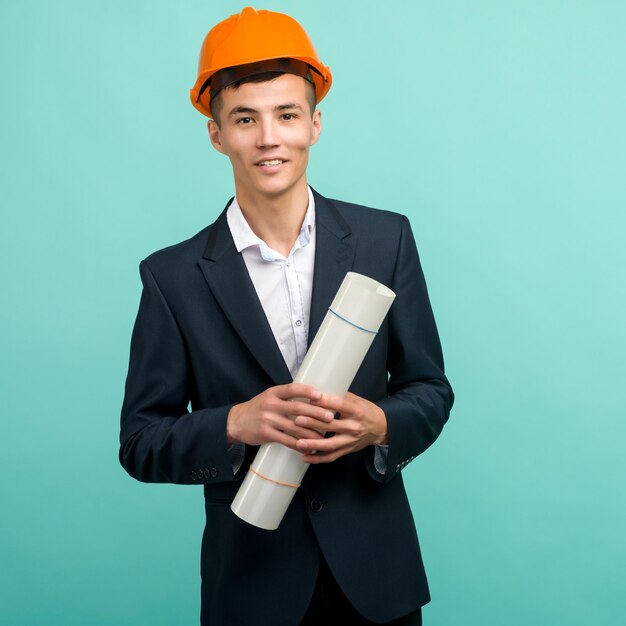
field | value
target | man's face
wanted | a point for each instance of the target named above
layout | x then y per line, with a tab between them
266	130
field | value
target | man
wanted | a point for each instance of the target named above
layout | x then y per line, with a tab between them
224	322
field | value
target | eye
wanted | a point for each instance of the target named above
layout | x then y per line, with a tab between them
244	120
288	116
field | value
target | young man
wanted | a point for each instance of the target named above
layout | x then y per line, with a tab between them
224	322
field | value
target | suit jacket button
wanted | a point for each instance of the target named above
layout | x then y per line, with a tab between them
200	474
213	472
316	505
194	476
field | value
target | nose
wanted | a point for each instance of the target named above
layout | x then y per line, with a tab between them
268	134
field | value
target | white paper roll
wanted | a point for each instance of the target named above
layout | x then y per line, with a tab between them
330	364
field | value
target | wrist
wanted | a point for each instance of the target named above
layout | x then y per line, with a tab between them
382	439
231	425
382	436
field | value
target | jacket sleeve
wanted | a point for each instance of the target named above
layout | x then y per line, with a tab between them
160	440
419	396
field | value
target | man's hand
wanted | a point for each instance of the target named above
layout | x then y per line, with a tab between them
269	417
362	424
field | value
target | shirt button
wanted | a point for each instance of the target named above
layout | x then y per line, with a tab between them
298	322
316	505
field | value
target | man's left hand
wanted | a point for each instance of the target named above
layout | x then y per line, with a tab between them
362	423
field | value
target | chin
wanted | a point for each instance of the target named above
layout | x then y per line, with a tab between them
275	189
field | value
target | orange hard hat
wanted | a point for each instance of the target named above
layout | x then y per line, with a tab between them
252	39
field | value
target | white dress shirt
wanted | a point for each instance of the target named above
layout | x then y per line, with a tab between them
284	286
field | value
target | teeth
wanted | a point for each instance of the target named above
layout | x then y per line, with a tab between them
274	162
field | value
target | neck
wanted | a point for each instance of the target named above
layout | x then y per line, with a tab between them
276	220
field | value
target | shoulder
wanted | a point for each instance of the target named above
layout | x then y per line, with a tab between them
369	222
179	258
180	253
360	213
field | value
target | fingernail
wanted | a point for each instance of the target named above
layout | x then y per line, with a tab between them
329	416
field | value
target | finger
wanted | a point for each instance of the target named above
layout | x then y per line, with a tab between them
354	427
298	390
301	433
312	423
293	408
327	456
332	403
326	445
284	431
282	423
318	459
284	439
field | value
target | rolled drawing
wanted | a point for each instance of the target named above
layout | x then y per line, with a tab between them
331	363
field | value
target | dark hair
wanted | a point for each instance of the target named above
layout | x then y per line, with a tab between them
216	102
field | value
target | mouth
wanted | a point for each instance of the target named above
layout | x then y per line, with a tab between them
270	162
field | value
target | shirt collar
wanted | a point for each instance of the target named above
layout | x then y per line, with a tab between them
244	237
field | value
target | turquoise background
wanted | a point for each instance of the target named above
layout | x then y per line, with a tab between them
498	127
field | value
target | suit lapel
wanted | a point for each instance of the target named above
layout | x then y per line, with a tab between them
334	255
227	276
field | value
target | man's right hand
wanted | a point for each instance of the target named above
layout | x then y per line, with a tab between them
269	416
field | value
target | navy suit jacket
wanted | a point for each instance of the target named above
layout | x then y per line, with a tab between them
201	338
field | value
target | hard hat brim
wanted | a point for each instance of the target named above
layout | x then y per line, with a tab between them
200	98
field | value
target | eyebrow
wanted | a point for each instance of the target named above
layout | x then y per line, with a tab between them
280	107
290	105
241	109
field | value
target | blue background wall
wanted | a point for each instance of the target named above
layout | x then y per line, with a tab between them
498	127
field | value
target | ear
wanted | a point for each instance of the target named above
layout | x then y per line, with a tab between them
317	126
215	136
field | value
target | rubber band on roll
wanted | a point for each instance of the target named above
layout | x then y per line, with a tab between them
367	330
277	482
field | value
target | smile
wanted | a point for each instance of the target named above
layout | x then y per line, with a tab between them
271	163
